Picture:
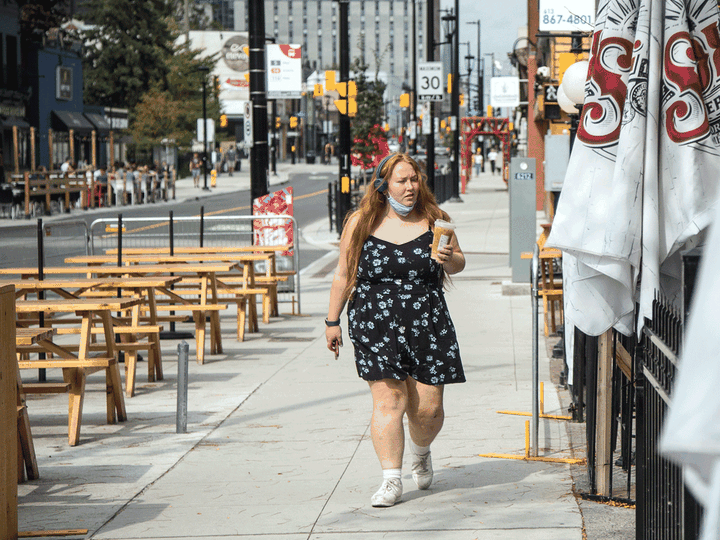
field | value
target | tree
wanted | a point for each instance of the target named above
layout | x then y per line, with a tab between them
369	140
171	110
39	16
127	50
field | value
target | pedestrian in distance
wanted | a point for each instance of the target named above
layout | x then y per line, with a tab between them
195	170
404	340
492	157
478	158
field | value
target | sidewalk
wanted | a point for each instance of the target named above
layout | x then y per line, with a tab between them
278	445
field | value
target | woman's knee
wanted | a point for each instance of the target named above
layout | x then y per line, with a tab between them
389	399
427	413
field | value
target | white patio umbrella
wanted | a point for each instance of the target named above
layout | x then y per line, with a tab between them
642	184
643	175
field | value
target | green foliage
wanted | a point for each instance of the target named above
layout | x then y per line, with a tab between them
366	132
39	16
126	51
171	111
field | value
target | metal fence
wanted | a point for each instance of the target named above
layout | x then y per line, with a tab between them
195	231
665	508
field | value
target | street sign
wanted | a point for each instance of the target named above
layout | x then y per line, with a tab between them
210	123
505	92
248	123
430	81
284	71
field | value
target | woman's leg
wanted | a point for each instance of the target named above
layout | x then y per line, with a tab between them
390	398
425	411
425	419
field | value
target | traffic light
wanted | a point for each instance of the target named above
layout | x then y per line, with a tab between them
223	120
489	111
449	88
293	122
462	100
404	100
318	90
277	122
330	80
346	90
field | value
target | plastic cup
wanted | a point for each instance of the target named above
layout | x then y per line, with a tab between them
442	235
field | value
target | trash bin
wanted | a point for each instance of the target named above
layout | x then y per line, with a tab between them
310	157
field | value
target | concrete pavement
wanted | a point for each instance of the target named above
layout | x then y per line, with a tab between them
278	445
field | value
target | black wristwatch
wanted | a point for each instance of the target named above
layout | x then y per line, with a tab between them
332	323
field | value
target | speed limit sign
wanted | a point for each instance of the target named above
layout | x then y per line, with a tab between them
430	81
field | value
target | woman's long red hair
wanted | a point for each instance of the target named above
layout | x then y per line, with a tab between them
372	206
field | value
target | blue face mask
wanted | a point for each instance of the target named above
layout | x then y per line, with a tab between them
399	207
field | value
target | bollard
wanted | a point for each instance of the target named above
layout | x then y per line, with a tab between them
535	362
182	388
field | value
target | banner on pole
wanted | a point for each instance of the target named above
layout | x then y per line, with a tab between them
274	232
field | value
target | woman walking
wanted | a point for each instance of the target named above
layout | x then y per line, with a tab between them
399	324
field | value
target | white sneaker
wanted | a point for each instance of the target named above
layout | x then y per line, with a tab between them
422	471
389	493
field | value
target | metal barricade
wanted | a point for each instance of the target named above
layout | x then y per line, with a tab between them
195	231
69	238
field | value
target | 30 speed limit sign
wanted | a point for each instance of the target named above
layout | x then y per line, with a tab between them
430	81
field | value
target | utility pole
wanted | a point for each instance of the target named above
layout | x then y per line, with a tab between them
343	202
413	99
430	139
456	106
481	68
258	96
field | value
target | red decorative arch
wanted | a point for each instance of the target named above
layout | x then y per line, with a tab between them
473	126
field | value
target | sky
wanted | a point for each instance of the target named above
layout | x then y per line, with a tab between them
500	20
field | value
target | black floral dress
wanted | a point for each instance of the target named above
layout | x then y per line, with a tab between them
398	320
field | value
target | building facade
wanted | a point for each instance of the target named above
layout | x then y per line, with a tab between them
381	32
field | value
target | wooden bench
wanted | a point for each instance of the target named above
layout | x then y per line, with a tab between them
46	184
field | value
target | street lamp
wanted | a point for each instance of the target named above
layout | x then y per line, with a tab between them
469	66
204	70
450	22
481	67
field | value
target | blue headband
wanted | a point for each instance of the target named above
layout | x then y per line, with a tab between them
380	183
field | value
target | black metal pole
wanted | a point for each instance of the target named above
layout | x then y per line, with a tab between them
42	374
259	149
344	124
413	100
205	141
456	106
273	149
430	139
202	225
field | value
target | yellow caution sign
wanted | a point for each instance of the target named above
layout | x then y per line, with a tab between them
213	178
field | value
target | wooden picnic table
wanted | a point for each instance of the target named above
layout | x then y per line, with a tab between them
78	365
206	303
203	249
131	329
27	462
243	291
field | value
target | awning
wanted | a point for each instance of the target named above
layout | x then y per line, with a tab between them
67	120
8	122
102	126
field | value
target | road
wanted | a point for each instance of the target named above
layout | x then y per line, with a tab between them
18	240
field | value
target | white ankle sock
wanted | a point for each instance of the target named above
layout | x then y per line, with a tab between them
418	450
392	473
